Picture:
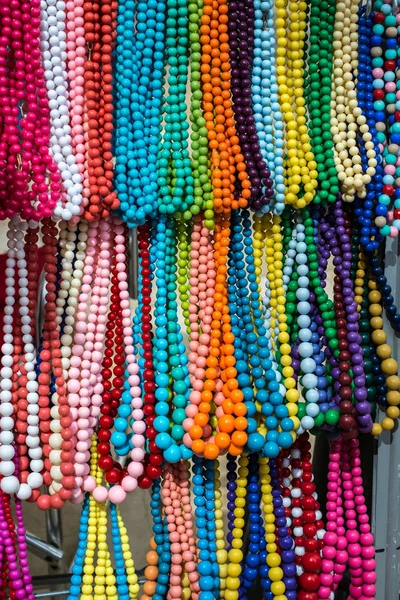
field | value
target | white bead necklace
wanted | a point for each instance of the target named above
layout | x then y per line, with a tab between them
16	259
54	48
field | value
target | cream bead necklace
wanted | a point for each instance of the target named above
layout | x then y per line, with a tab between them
65	303
75	240
347	119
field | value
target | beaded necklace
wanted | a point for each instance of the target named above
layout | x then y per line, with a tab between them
16	257
318	96
300	167
175	179
99	27
93	573
218	112
345	105
356	544
54	46
383	49
255	343
15	570
241	46
221	363
153	460
203	196
30	180
365	209
168	350
267	114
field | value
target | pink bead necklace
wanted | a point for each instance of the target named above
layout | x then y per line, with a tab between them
129	482
76	55
85	391
29	181
82	382
176	501
73	244
202	276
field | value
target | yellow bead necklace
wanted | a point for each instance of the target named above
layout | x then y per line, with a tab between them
275	573
278	317
300	168
235	554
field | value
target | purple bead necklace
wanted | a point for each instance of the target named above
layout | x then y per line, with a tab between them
336	229
241	43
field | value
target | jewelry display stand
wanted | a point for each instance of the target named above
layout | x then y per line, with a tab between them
386	472
386	480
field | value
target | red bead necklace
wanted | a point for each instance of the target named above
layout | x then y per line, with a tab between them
153	461
100	25
310	521
112	377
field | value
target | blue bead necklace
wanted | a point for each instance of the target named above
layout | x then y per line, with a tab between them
370	238
120	570
252	352
384	50
231	466
254	520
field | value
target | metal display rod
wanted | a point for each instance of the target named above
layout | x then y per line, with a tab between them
386	478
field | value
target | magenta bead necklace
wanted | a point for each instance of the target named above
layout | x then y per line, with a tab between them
29	179
348	539
14	555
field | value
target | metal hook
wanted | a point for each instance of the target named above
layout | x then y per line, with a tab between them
90	50
368	9
133	265
395	7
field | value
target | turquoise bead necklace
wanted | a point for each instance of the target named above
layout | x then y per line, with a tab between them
204	502
170	361
161	539
120	568
175	177
77	567
139	78
267	113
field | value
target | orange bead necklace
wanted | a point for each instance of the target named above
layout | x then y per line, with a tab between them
231	185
